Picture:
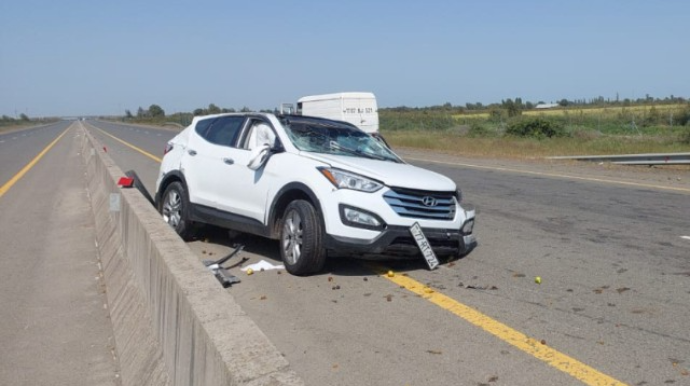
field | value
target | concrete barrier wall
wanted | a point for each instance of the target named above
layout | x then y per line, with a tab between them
173	322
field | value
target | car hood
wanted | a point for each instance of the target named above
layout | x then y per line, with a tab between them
390	173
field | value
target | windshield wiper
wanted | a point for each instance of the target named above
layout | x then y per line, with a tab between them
336	146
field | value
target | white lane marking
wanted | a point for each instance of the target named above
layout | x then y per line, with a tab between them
685	237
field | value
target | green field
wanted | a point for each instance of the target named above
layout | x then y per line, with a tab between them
593	130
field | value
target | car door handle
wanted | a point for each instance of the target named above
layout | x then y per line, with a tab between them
191	152
228	161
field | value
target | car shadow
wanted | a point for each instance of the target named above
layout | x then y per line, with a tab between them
336	265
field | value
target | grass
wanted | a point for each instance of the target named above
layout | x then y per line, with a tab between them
599	113
448	141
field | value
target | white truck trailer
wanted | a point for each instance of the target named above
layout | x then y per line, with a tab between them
358	108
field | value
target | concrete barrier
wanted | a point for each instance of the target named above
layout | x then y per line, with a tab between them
173	323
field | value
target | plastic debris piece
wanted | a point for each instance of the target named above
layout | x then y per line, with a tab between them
126	182
262	265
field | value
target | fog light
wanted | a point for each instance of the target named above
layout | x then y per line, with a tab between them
360	218
467	227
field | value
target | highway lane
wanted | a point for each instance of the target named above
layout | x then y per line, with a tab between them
18	147
54	327
615	271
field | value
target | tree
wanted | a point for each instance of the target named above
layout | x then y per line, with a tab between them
514	108
213	109
156	111
24	117
198	112
141	113
128	114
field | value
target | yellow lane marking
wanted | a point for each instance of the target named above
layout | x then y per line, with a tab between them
565	176
144	152
562	362
31	164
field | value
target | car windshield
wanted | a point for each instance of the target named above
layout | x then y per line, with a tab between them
331	137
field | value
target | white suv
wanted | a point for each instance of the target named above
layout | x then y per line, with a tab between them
315	184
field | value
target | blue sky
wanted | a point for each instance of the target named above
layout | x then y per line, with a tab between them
87	57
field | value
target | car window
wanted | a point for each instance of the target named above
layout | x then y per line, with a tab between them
202	126
222	131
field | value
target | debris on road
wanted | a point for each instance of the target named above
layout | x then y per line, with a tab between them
262	265
477	287
221	273
537	279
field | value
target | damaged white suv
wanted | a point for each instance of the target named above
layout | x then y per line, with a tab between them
315	184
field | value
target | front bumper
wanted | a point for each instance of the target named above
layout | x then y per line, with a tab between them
397	241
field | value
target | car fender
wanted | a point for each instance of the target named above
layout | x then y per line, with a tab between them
173	175
284	196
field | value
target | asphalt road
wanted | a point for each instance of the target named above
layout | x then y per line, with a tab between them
613	300
54	329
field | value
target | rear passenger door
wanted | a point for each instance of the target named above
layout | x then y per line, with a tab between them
208	156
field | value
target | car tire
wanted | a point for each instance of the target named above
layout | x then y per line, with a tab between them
301	235
174	208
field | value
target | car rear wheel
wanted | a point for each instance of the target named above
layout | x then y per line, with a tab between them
175	209
301	246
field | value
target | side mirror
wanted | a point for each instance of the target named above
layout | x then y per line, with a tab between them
259	156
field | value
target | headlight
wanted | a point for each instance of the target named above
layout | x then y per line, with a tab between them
346	180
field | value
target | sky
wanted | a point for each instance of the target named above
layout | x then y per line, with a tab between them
85	57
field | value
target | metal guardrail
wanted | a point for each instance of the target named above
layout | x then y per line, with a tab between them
634	159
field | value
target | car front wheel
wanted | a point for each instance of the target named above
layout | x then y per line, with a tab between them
301	246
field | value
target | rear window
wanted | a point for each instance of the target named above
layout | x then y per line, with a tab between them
220	131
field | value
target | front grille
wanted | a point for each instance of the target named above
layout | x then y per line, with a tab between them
422	204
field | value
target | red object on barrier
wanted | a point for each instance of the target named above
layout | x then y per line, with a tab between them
126	182
105	149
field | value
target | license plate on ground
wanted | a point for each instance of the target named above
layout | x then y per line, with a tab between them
424	245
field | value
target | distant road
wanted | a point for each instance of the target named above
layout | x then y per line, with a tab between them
54	328
612	303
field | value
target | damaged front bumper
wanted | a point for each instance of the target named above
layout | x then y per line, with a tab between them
397	242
